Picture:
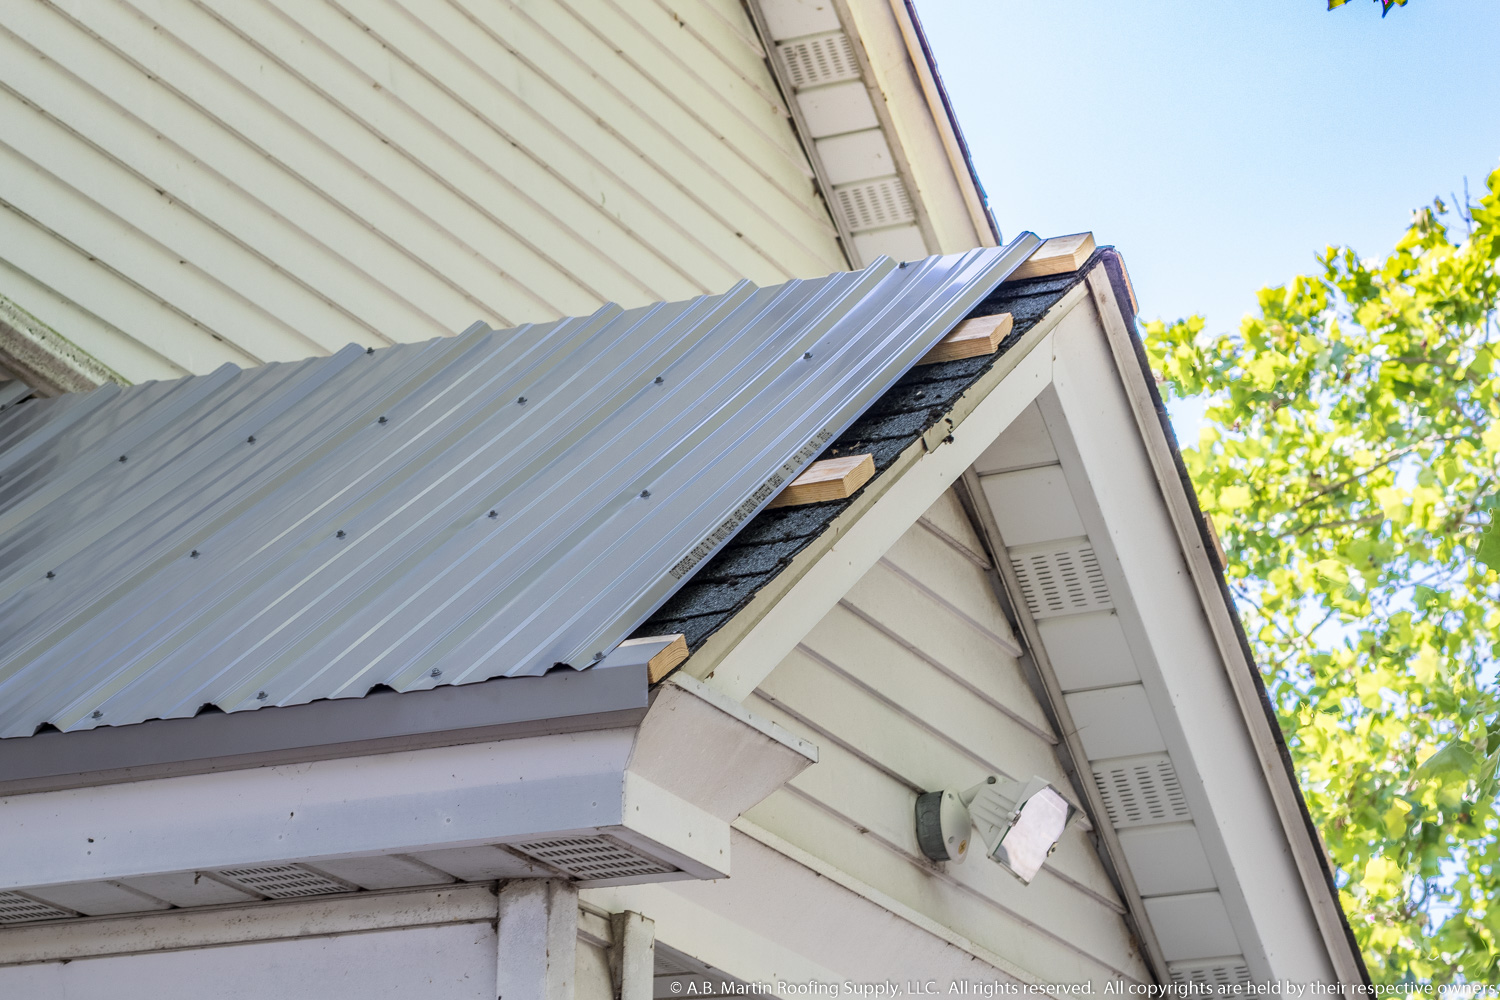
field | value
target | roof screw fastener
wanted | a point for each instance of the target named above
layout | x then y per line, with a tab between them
340	533
807	356
381	420
521	400
436	672
494	514
96	714
598	657
250	439
369	350
261	696
645	494
659	380
50	574
193	554
122	458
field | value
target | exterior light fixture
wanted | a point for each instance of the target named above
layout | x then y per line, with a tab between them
1019	824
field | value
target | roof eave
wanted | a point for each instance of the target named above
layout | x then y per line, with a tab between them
564	701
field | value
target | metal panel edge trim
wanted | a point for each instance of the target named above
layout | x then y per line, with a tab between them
385	722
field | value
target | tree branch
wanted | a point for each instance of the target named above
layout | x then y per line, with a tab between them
1392	457
1347	522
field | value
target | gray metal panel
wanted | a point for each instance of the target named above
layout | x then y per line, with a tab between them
309	530
12	391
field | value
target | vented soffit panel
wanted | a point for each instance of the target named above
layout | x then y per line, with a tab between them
491	504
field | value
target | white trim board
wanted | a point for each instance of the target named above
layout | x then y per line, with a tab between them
659	793
242	924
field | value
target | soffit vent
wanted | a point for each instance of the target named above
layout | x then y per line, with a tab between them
1066	581
1140	790
280	881
874	204
820	59
15	908
670	965
590	859
1211	972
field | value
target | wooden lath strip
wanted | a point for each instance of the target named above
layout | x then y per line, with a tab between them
971	338
663	653
1059	255
830	479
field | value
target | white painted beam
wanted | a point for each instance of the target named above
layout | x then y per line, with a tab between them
537	940
177	930
632	955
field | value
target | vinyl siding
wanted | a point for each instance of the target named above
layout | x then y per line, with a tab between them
906	687
194	182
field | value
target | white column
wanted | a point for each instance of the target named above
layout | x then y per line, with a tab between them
632	955
538	940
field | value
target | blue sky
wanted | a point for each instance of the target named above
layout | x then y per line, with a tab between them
1220	144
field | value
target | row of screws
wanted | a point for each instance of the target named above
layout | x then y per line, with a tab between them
436	671
262	695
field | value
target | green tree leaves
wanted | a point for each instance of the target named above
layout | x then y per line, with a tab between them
1350	459
1385	5
1488	549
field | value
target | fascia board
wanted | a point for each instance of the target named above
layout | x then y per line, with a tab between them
945	122
419	800
669	827
504	708
1216	719
699	760
942	186
669	784
740	655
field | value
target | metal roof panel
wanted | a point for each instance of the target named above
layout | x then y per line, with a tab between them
486	505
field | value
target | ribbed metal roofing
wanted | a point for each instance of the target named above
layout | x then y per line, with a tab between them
484	505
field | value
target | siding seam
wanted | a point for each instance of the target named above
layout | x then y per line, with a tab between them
945	670
1007	645
180	204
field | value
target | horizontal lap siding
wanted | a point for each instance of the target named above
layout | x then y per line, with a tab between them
194	182
906	686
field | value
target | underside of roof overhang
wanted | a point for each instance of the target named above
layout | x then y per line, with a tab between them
626	795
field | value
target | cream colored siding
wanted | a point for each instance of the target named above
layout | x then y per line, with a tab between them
190	183
907	686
